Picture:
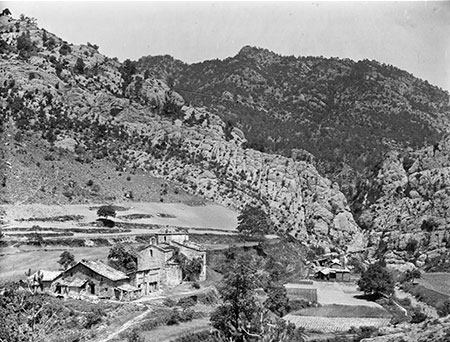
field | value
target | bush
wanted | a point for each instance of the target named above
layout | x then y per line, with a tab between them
418	316
174	318
169	302
208	298
135	337
196	285
444	309
187	302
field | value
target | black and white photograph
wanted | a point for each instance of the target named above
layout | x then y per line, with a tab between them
224	171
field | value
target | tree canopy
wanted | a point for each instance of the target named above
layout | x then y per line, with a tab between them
106	210
122	259
241	317
253	221
66	259
377	281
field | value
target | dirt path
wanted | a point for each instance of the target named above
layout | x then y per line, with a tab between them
427	309
125	326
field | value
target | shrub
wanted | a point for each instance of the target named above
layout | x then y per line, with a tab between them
65	49
79	66
444	308
174	318
418	316
135	337
196	285
187	302
169	302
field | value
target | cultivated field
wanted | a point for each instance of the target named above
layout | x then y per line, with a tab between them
342	308
209	216
335	310
335	293
439	282
15	261
334	324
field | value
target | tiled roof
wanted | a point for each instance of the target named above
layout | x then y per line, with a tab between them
104	270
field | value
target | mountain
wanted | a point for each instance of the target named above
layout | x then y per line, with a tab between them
345	113
376	130
78	126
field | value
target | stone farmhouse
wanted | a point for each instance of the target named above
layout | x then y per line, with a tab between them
156	266
155	263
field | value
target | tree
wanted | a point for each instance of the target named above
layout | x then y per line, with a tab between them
79	66
66	259
253	221
277	300
239	302
105	211
190	268
241	317
377	281
444	309
410	275
121	258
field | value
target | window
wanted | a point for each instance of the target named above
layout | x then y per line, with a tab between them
151	253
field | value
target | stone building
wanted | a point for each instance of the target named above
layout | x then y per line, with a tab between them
91	277
155	268
193	251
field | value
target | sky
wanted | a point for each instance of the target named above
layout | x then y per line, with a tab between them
414	36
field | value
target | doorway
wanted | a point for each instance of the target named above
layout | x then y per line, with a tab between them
92	288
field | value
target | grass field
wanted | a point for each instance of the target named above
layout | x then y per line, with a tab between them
329	293
439	282
14	262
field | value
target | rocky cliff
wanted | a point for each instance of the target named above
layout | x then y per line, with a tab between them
405	206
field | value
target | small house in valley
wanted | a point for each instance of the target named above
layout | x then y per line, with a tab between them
91	277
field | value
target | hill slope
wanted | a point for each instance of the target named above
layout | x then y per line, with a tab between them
67	110
346	113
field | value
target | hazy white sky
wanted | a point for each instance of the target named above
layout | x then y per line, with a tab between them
414	36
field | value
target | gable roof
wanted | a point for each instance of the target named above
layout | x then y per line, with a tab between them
104	270
100	268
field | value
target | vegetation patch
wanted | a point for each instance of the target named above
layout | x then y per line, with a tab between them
62	218
426	295
135	216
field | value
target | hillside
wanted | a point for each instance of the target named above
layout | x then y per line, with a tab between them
376	130
404	208
71	116
346	114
